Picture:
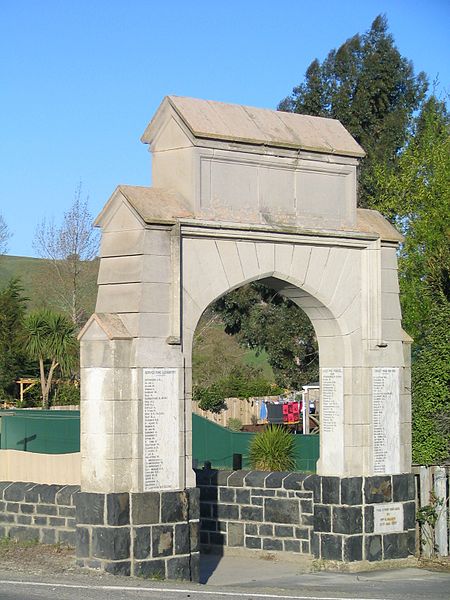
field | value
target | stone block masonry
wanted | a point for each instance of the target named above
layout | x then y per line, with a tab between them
349	520
38	512
148	534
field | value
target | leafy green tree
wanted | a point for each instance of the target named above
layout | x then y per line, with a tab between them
12	356
264	320
50	341
431	390
371	89
416	197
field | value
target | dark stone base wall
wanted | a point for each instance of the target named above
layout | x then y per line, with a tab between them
150	535
37	512
330	518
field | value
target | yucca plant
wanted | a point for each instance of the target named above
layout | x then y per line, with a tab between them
272	450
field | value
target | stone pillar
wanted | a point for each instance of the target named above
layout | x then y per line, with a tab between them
151	535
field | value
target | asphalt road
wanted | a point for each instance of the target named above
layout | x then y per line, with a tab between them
404	584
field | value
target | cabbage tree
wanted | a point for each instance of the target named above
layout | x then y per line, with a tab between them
51	341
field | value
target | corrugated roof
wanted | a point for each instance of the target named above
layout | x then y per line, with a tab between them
245	124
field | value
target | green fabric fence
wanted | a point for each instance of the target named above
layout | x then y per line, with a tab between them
216	444
58	432
41	431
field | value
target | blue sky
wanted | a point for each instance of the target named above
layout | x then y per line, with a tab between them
80	80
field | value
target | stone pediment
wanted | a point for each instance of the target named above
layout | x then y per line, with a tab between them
101	326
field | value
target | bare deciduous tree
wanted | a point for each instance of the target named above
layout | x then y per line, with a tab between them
4	235
70	249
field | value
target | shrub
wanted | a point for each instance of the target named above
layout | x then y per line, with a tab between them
66	394
234	424
272	450
242	382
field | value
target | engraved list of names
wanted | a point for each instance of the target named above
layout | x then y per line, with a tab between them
160	428
332	418
386	422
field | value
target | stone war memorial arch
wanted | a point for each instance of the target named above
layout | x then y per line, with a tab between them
242	194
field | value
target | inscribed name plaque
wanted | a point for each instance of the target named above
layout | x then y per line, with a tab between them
388	518
332	419
386	420
160	429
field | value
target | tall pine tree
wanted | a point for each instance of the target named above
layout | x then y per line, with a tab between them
372	90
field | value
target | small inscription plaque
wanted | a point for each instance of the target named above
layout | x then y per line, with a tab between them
160	428
386	420
332	418
388	518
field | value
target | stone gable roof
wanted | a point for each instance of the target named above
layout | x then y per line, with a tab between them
259	126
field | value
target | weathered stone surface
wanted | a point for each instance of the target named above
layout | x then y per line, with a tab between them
409	515
227	511
82	542
255	479
46	509
280	510
112	543
24	534
351	490
271	544
90	508
162	540
48	536
48	493
194	529
353	548
150	569
195	567
251	529
368	519
179	568
145	508
347	519
182	538
174	507
266	529
291	546
322	518
253	542
294	481
118	509
330	490
331	547
312	483
403	487
377	489
235	534
67	538
275	479
252	513
226	494
397	545
236	479
16	491
142	543
284	531
242	496
65	495
373	548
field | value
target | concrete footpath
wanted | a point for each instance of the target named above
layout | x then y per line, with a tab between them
228	577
